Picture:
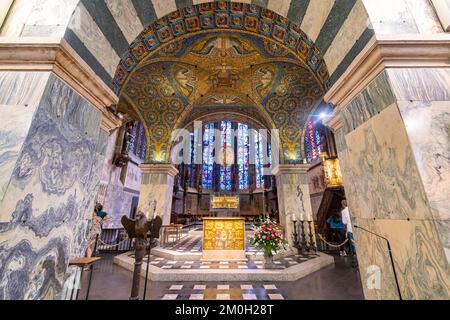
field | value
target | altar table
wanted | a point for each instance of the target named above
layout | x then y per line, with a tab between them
223	239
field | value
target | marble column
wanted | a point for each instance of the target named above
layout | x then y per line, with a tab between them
51	155
293	197
157	184
394	142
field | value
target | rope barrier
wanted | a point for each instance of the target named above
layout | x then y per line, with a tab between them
113	245
333	245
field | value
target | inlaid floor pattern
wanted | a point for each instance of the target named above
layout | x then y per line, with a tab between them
225	265
223	292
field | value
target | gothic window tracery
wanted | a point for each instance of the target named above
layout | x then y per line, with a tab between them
232	172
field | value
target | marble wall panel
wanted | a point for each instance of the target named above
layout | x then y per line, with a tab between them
49	203
293	200
421	267
5	5
280	7
398	19
381	169
428	127
17	17
352	29
108	167
118	185
89	33
425	16
22	88
126	17
370	102
12	135
117	203
339	136
395	167
164	7
377	277
157	187
49	18
420	84
19	97
69	107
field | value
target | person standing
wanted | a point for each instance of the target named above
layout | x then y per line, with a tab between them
338	228
98	219
346	220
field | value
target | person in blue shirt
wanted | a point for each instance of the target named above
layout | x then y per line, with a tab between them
338	228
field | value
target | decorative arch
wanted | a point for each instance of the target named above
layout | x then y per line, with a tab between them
164	26
102	32
225	16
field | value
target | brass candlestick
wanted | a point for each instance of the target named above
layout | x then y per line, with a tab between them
304	243
295	234
312	244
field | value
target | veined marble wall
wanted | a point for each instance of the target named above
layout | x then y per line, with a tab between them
383	168
118	186
424	103
17	105
48	203
317	187
293	197
157	184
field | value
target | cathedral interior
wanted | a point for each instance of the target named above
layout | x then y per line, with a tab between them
213	116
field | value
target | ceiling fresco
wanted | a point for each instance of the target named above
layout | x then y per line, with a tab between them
222	72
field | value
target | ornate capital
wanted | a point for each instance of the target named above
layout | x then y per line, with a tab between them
290	169
168	169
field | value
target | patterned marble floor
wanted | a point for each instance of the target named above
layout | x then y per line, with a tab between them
223	292
217	265
342	281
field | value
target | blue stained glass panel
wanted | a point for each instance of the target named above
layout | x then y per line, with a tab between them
243	156
226	142
208	157
259	161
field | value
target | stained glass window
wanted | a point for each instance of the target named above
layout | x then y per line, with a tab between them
259	160
138	140
231	156
243	156
313	144
226	143
208	156
132	145
193	165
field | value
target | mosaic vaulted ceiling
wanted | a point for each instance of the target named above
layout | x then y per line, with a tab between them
222	72
225	16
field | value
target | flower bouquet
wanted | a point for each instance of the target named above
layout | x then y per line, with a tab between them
269	237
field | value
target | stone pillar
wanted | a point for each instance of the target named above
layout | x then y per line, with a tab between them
293	196
394	143
52	151
157	184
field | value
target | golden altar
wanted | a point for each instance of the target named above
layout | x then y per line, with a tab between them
223	238
224	203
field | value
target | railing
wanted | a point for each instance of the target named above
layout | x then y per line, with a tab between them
330	247
114	240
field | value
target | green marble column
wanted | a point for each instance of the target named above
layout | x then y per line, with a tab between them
394	148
